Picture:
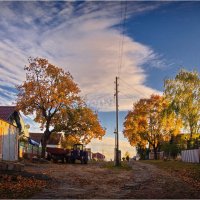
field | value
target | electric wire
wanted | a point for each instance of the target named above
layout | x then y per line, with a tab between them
121	44
129	96
131	87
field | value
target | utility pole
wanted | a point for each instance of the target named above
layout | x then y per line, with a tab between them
117	128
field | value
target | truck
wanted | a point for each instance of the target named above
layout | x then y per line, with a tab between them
67	155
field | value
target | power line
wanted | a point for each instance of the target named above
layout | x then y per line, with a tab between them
129	96
100	101
131	87
121	45
107	86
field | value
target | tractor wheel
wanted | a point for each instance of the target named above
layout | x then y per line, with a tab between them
85	161
67	159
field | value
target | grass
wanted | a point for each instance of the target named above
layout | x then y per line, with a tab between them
188	171
110	165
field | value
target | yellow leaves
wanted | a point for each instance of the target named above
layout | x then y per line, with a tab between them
82	124
150	122
16	186
184	96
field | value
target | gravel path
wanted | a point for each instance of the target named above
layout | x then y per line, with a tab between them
94	182
153	183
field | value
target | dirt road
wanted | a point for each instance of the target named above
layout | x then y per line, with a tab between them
94	182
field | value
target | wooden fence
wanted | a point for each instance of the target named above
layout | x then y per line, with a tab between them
192	156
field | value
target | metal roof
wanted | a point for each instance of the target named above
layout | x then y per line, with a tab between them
6	112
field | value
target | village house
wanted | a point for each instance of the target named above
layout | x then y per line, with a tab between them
98	156
12	127
54	141
8	141
33	148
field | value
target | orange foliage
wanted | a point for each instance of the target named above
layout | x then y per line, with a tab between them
150	122
83	124
52	96
46	92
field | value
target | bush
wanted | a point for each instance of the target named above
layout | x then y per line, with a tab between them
170	149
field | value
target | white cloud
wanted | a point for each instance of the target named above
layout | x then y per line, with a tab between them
106	147
81	39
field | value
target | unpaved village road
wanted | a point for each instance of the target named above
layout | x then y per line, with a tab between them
94	182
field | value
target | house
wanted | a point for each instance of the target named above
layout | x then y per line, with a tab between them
8	141
12	127
31	149
33	145
160	155
98	156
11	115
54	141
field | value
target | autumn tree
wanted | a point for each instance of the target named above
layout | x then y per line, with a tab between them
183	93
81	124
151	123
48	93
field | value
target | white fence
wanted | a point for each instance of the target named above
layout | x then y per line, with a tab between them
192	156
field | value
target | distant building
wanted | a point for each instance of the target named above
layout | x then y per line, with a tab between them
53	142
98	156
160	155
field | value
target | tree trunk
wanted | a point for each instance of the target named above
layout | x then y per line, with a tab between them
155	153
192	129
44	144
191	133
44	139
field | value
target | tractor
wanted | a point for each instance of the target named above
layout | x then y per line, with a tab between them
78	153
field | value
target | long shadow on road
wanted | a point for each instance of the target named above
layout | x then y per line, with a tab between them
94	182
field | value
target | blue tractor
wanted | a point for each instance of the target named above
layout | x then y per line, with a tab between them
78	153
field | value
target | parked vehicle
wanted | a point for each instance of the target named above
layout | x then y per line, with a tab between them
70	156
78	153
57	154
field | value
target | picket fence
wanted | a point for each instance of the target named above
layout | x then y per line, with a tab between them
192	156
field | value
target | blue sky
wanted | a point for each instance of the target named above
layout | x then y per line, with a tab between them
85	38
172	31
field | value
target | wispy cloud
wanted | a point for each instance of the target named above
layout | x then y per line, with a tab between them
81	37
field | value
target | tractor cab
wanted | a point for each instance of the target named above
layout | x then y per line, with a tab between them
78	153
78	147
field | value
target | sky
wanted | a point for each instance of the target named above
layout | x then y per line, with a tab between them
142	43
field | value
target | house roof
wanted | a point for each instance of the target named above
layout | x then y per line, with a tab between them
36	136
97	155
6	112
53	140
